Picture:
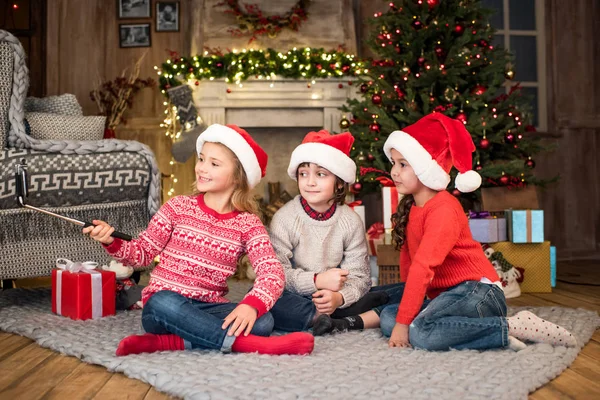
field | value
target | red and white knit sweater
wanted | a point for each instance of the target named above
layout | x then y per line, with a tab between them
199	249
439	252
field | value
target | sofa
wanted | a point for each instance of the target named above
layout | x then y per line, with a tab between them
113	180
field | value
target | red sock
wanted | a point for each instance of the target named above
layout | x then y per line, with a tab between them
149	343
294	343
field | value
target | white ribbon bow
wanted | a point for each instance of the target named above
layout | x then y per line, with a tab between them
64	264
68	265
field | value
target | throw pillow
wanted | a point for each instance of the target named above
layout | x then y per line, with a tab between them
48	126
65	104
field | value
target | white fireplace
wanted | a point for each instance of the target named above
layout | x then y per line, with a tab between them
278	113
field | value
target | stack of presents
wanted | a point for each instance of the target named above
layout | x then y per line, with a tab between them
510	230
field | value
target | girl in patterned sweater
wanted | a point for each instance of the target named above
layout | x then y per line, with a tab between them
321	242
199	239
452	297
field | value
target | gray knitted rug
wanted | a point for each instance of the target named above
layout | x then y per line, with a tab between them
350	365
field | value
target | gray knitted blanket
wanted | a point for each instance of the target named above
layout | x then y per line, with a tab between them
351	365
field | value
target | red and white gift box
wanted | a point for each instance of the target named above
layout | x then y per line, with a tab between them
360	210
80	292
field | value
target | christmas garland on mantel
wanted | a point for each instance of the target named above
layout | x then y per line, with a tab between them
251	20
237	66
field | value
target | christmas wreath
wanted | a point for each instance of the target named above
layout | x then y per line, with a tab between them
251	20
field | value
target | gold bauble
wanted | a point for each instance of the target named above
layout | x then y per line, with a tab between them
509	74
344	123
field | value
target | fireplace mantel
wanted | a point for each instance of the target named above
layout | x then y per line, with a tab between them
274	103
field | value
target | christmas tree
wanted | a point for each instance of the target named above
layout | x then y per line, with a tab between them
437	56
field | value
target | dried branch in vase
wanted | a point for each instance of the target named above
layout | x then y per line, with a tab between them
114	97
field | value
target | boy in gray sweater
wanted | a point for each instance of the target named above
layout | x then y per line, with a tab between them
321	242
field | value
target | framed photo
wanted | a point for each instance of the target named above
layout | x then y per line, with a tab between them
134	35
131	9
167	16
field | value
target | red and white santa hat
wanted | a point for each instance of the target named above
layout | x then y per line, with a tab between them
432	145
252	157
328	151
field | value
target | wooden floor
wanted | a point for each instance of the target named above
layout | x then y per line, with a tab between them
28	371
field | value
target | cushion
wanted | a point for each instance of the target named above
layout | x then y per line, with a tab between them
65	104
46	126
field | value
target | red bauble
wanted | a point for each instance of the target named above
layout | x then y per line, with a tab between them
228	90
370	157
219	65
308	85
319	67
196	83
364	88
462	117
456	193
509	138
478	167
356	187
350	83
530	163
439	108
478	90
459	29
345	68
484	144
376	99
375	127
504	180
341	85
421	60
400	93
191	69
483	43
432	3
417	24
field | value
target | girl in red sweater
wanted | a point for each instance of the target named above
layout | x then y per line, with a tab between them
199	239
452	295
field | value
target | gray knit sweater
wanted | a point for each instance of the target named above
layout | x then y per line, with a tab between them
305	246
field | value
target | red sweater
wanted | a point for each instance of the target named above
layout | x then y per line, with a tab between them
438	253
199	249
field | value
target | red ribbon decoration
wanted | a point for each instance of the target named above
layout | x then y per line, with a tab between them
385	181
375	231
354	203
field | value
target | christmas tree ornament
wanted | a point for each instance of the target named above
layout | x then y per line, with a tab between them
462	117
509	74
356	187
504	179
344	123
364	88
376	99
509	138
375	127
417	25
459	29
484	144
361	157
370	157
340	85
478	90
478	167
421	61
450	94
228	90
432	3
530	163
456	193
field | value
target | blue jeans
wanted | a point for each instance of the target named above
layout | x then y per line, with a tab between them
470	315
197	322
295	313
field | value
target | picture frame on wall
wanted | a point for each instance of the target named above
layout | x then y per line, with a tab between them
134	35
167	16
132	9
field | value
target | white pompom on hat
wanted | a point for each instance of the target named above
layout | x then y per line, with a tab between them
432	145
328	151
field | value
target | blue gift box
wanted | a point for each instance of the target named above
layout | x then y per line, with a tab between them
488	230
553	266
525	226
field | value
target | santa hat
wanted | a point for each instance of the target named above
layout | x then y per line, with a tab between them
431	146
252	157
328	151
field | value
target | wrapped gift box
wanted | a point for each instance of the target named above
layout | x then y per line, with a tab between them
488	230
388	260
525	226
534	258
360	210
390	204
83	294
553	266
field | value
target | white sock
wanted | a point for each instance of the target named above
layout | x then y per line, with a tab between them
515	344
527	326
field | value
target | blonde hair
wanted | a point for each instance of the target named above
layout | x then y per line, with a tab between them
400	220
340	189
242	199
